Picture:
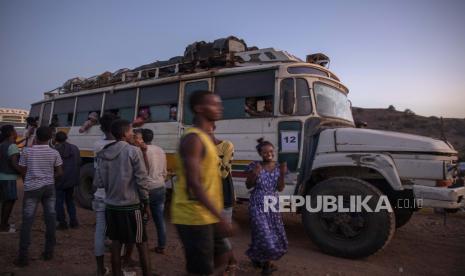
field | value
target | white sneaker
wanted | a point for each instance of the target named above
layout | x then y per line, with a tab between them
129	273
12	229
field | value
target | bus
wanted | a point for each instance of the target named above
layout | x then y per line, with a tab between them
300	106
261	98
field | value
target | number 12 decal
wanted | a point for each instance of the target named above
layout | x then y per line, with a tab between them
289	141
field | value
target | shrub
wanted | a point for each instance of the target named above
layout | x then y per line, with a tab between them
409	112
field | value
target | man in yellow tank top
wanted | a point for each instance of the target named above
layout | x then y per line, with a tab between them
198	194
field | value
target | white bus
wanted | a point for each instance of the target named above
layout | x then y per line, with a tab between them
270	99
302	108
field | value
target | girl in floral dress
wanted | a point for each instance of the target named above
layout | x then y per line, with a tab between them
269	240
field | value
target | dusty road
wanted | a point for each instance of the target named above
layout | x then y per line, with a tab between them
425	246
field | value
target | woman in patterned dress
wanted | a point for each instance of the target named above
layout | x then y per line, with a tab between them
269	240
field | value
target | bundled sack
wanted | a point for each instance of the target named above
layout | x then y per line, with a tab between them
104	78
230	44
72	85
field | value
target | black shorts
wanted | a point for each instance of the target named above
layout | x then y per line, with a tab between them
8	190
201	244
125	226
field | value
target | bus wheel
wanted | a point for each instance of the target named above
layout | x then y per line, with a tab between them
348	234
85	191
402	216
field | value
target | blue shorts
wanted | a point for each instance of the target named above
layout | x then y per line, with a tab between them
8	190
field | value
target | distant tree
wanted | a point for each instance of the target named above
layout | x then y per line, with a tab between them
391	108
409	112
461	154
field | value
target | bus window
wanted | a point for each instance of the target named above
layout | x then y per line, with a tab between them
304	104
35	111
295	97
247	94
63	112
259	106
121	103
85	106
46	114
306	70
160	102
189	88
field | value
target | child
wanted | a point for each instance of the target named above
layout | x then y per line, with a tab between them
9	171
142	117
269	240
65	185
225	150
121	171
40	164
31	126
91	121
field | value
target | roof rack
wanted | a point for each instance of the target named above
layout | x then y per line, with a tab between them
198	56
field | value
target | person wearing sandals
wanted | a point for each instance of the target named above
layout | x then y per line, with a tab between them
265	178
197	195
122	172
156	168
9	172
98	203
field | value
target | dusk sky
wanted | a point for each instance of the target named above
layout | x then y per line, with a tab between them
410	54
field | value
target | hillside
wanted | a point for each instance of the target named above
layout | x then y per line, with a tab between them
407	122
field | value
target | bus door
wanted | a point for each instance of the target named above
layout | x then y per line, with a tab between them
289	143
46	112
295	102
188	87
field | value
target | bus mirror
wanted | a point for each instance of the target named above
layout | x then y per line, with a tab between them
288	102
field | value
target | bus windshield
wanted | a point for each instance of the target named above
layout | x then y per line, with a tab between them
330	102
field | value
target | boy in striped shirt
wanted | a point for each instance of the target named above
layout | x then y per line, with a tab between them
41	165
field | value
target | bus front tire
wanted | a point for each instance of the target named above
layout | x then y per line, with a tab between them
403	216
348	234
85	191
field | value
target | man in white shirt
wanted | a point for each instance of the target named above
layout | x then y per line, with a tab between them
156	161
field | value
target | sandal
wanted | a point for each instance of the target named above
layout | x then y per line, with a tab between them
268	269
257	264
159	250
129	263
106	271
230	270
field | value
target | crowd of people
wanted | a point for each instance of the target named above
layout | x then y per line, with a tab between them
130	175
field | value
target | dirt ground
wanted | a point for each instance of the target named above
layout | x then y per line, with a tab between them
425	246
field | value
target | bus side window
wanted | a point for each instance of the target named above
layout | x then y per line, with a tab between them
63	112
160	101
295	97
259	106
190	88
121	102
246	95
85	106
35	111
